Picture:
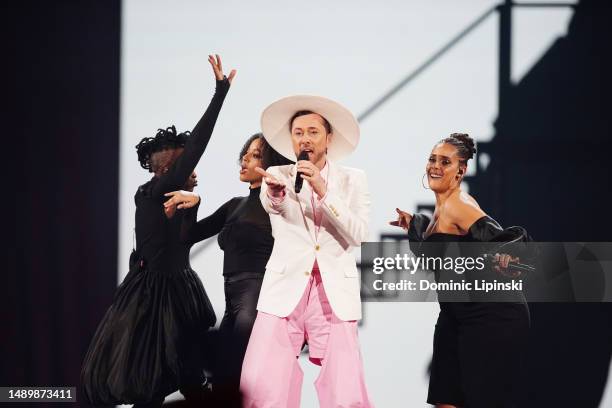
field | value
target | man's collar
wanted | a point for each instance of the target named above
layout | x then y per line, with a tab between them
325	170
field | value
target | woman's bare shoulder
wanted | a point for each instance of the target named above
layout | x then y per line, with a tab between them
461	205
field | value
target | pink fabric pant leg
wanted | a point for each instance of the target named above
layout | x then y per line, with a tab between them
341	382
271	376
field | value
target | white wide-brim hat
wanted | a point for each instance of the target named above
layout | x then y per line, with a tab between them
275	124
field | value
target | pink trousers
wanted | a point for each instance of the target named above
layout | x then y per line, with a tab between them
271	375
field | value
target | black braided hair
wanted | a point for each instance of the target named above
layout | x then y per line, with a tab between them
164	139
466	148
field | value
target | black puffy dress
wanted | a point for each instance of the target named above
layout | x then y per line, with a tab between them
245	236
478	347
150	341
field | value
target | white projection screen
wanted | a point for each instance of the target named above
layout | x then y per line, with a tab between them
350	51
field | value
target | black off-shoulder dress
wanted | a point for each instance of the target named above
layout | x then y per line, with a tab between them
150	341
478	347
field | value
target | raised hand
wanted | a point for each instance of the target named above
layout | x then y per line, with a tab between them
215	63
403	219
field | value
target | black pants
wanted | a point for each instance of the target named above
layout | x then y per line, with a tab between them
478	354
241	295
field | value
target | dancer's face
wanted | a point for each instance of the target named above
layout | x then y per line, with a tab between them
192	181
444	167
163	160
250	160
308	133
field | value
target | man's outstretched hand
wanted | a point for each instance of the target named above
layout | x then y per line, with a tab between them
273	184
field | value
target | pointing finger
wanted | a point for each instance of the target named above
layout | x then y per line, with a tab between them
263	172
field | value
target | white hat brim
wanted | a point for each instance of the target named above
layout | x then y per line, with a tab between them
275	124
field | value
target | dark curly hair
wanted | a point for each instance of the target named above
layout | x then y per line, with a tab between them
466	147
269	156
163	140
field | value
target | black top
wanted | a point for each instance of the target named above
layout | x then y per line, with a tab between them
158	240
512	240
484	229
245	235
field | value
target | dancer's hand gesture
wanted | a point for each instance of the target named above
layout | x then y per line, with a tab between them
179	200
215	63
403	219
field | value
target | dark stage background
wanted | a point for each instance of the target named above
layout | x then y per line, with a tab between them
551	150
64	97
549	172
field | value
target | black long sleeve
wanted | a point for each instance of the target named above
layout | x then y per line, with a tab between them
192	231
486	229
513	240
178	174
245	234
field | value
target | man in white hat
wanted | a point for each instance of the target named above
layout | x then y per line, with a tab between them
310	293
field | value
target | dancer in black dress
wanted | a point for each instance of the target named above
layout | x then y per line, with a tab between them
478	347
150	341
245	235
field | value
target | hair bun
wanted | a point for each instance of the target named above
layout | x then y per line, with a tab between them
467	141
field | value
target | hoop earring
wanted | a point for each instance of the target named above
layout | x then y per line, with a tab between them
423	184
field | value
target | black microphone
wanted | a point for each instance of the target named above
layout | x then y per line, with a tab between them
520	267
298	179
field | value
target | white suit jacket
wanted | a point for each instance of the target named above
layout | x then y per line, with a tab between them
344	225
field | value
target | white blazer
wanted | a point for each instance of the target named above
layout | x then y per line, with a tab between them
344	225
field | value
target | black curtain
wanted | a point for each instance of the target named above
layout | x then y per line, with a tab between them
63	168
